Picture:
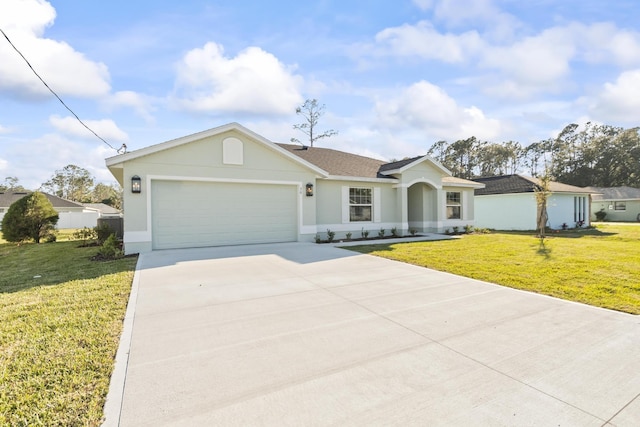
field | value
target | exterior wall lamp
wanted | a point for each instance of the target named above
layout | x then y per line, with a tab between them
309	187
136	184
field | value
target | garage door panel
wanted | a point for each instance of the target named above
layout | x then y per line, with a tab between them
193	214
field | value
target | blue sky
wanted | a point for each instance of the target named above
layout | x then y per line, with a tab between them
395	76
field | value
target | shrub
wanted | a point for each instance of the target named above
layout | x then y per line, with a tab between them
110	249
348	235
468	229
51	237
85	234
318	239
31	217
330	235
103	232
365	233
456	229
381	233
394	232
601	215
413	231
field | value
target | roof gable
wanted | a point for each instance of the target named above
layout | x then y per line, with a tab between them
115	162
400	166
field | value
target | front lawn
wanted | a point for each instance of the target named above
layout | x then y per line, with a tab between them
60	323
600	267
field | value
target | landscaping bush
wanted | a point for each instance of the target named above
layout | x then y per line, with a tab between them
110	249
601	215
103	232
29	218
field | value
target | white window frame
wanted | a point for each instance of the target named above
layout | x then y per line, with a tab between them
376	209
454	204
360	201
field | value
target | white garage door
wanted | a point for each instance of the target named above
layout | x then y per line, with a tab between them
197	214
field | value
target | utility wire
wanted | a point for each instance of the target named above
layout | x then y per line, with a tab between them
55	94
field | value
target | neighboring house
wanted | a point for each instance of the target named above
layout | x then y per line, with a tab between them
508	202
620	203
71	214
104	210
229	185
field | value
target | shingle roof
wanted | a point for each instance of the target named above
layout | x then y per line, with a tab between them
398	164
7	199
509	184
615	193
338	163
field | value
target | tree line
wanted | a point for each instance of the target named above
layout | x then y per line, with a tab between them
592	155
73	183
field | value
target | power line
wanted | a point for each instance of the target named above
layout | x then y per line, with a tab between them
53	92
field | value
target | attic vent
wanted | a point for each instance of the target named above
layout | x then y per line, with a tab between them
232	151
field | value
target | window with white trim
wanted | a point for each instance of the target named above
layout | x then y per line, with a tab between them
360	204
620	206
454	205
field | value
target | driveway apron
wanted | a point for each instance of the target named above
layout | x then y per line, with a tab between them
300	334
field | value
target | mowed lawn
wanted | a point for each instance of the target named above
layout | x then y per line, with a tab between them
60	323
600	267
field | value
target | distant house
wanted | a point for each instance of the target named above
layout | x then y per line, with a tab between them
508	202
619	203
105	211
71	214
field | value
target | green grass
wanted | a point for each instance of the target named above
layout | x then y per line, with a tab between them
599	267
60	322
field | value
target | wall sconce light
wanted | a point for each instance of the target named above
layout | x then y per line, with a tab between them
136	184
309	189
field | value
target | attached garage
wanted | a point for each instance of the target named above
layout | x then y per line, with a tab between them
186	214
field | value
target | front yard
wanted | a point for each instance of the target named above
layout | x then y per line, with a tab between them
600	267
60	323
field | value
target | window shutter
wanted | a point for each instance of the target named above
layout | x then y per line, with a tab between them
345	204
377	205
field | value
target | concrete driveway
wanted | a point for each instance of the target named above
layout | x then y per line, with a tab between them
303	334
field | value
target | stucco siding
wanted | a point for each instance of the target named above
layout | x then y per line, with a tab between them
506	211
562	209
331	205
202	160
629	214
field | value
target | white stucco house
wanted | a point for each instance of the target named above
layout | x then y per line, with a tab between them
229	186
619	203
70	214
508	202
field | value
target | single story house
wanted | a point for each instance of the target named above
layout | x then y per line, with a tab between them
508	202
620	203
229	186
104	210
70	214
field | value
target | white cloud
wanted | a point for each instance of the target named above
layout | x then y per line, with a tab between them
65	70
429	108
42	156
105	128
254	82
424	41
619	101
140	104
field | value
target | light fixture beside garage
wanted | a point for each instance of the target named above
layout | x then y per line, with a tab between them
309	189
136	184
